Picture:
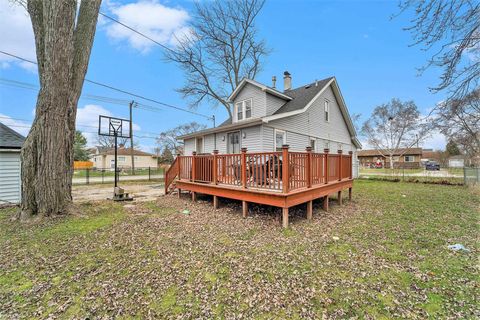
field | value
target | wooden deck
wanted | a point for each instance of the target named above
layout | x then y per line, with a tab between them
282	179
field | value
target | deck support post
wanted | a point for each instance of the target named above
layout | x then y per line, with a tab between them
194	156
309	210
326	150
244	209
215	169
351	163
215	202
325	203
179	193
194	196
340	165
339	196
243	166
285	170
350	194
308	167
285	217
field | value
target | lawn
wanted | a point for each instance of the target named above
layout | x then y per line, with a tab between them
383	255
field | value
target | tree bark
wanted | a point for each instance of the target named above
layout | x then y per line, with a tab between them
63	43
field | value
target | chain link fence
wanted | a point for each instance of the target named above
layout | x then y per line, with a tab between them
453	176
95	176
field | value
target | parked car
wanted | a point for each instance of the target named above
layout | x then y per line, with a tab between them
432	165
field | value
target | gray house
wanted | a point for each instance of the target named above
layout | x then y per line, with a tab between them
265	118
10	178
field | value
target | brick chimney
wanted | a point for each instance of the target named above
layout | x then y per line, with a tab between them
287	81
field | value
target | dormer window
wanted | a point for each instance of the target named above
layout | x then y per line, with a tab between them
244	109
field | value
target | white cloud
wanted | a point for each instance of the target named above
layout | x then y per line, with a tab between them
161	23
16	35
19	126
436	141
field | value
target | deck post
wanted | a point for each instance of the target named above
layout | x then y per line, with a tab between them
309	167
178	164
179	193
285	217
194	156
351	164
285	171
350	194
215	202
244	208
326	150
244	167
215	169
309	210
325	203
339	165
339	196
194	196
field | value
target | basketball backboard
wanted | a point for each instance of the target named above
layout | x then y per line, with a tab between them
111	126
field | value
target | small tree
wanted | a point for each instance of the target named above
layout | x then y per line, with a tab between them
167	156
168	139
80	152
222	49
109	142
394	126
452	148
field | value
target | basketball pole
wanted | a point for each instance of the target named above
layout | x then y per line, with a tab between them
116	170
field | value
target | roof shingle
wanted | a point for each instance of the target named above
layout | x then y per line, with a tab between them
9	138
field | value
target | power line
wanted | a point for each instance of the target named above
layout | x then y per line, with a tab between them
120	90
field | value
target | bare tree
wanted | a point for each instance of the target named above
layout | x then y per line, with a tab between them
109	142
63	40
452	29
393	127
221	50
459	119
168	139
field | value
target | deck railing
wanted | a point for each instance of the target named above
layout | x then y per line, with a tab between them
267	170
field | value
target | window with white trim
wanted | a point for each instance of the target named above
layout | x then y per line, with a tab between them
409	158
280	138
313	144
327	110
243	109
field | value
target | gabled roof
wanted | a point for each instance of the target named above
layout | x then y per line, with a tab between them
259	85
10	139
125	152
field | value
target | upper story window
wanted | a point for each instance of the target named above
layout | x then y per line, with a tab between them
327	110
243	109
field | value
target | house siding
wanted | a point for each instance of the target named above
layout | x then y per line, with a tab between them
10	177
259	98
273	104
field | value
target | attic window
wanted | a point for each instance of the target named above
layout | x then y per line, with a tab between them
327	110
244	109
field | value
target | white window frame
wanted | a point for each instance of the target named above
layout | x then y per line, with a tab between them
412	157
275	138
314	149
326	110
243	104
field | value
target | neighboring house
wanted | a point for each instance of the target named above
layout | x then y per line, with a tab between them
10	175
104	158
456	161
265	118
404	158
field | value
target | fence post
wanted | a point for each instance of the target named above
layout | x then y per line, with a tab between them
149	173
87	175
194	156
215	169
326	150
103	175
285	169
351	164
309	167
340	160
243	165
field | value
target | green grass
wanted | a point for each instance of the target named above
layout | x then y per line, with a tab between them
389	260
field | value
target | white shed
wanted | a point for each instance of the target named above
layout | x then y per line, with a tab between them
456	161
10	178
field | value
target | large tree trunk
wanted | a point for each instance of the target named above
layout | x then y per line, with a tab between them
63	43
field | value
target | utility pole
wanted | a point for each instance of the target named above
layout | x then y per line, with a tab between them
132	153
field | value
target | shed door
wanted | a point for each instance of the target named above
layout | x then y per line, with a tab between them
10	180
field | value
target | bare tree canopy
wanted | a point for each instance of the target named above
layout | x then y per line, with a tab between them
109	142
168	139
63	40
459	119
451	29
221	50
394	126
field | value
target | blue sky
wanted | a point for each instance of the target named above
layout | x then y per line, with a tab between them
356	41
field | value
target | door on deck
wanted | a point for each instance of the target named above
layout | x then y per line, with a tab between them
233	142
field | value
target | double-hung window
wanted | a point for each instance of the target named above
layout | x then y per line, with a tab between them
327	110
243	109
280	139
